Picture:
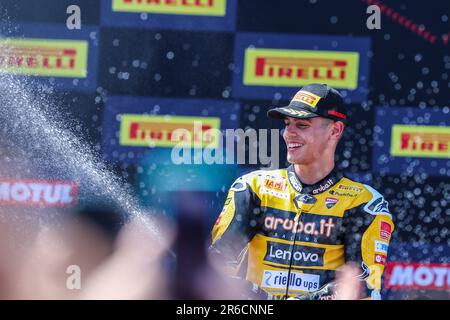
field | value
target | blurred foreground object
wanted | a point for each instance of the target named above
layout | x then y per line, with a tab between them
348	286
37	258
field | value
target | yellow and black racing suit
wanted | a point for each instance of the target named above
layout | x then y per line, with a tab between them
289	238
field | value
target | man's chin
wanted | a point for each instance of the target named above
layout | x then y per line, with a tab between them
293	160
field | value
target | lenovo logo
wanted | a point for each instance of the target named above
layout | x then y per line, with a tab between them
283	253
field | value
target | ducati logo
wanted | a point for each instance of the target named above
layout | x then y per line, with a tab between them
330	202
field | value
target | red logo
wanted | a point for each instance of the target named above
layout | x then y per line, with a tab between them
330	202
385	230
380	259
38	193
430	276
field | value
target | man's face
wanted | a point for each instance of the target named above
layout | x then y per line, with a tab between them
306	139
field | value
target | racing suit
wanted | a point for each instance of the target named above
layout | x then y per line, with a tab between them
289	238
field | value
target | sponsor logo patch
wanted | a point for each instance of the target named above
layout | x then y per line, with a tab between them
307	97
420	141
349	188
180	7
266	68
379	205
380	259
293	68
282	253
319	227
44	57
330	202
306	198
297	281
430	276
168	131
280	186
324	186
294	182
276	188
342	194
426	142
385	230
381	247
281	195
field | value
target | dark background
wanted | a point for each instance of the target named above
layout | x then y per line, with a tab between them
405	71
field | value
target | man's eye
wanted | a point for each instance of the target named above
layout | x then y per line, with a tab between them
301	125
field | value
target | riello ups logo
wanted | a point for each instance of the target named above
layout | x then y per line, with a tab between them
182	7
169	131
420	141
293	68
44	57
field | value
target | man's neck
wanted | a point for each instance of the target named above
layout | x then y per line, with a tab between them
310	174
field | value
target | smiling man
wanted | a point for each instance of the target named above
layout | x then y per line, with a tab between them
287	231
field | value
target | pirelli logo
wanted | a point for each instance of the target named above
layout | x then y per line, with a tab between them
169	131
307	97
294	68
420	141
44	57
180	7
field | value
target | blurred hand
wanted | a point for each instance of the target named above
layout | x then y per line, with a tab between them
348	285
134	270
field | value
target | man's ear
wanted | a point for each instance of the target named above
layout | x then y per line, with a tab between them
337	130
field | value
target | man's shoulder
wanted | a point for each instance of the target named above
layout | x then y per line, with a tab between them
365	195
263	176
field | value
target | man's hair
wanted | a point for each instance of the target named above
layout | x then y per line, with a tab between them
325	122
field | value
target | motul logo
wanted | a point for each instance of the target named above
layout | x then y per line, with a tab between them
39	193
431	276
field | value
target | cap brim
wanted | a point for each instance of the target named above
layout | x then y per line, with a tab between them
281	113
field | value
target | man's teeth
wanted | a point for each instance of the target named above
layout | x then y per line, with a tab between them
295	145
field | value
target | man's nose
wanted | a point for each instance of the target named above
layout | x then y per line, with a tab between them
289	131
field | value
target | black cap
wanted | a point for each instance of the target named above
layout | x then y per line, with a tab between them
313	100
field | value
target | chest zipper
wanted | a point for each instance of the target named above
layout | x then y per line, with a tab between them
286	295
